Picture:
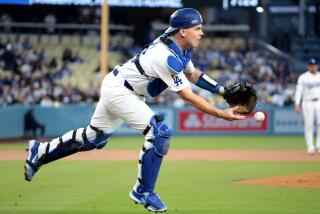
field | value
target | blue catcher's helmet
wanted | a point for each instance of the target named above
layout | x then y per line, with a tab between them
184	18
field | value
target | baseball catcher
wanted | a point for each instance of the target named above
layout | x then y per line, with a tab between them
241	94
165	64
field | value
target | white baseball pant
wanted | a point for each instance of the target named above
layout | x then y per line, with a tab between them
118	104
311	111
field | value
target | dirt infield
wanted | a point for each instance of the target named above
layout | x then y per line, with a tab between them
301	180
200	155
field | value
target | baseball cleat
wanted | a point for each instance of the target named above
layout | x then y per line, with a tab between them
150	200
310	151
33	162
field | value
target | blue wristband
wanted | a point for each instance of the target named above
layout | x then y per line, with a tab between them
207	83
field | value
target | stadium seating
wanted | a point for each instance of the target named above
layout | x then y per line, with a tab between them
224	59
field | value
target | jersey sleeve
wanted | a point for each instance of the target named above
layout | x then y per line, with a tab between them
299	89
175	82
190	67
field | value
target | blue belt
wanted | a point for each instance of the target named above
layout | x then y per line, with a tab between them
126	83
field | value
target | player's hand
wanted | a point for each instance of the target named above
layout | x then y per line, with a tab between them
231	114
298	108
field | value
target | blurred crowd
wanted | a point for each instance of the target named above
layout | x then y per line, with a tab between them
30	76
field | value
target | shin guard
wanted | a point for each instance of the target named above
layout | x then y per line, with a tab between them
151	155
83	139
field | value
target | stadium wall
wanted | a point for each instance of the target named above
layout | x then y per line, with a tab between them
185	121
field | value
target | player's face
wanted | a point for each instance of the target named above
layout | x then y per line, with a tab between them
313	68
193	35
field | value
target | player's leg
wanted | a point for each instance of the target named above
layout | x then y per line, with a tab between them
151	155
82	139
139	116
34	132
317	107
308	114
42	130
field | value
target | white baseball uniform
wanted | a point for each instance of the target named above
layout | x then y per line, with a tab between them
308	91
118	103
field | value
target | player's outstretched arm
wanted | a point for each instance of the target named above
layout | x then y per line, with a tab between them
201	104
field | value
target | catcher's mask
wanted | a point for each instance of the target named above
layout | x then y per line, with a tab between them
184	18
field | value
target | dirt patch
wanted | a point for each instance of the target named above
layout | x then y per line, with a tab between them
199	155
302	180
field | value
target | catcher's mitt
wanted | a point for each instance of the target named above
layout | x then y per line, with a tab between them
241	94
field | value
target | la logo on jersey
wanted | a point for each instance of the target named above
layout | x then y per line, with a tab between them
176	80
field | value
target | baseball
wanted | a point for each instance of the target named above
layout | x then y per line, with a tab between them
259	116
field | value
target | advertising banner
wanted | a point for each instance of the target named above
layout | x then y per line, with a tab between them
287	121
115	3
192	121
21	2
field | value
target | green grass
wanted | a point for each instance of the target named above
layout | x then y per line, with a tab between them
187	187
203	142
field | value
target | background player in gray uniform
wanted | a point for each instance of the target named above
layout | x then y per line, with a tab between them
165	64
308	91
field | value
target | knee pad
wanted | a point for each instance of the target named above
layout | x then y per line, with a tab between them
162	134
96	140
